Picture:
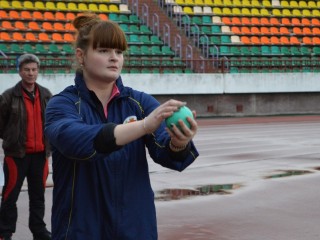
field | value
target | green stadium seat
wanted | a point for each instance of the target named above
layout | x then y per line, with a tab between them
53	48
205	30
145	39
145	50
124	27
235	50
4	48
166	50
255	50
295	50
134	29
134	50
155	40
204	40
144	29
206	20
123	18
215	29
40	49
305	50
224	50
245	50
15	48
155	50
265	50
67	48
134	19
215	39
133	38
316	51
28	48
146	70
113	17
196	20
225	39
285	50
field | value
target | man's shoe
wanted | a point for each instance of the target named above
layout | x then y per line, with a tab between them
42	236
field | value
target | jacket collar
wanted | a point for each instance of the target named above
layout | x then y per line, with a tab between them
17	89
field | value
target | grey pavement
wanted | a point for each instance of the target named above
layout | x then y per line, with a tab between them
268	169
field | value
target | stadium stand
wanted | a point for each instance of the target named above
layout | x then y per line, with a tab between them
243	34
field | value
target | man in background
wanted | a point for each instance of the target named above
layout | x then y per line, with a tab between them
25	149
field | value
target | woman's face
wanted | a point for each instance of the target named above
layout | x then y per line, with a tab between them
103	63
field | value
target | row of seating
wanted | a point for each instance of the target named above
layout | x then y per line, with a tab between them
33	37
153	50
246	40
248	3
271	21
62	6
265	50
41	16
275	30
36	26
197	10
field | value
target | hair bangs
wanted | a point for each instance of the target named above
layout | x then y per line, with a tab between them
108	35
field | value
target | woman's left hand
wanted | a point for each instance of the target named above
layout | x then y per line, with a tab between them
182	138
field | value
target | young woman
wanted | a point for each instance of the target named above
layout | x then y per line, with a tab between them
99	130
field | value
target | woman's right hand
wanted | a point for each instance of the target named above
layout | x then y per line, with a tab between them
165	110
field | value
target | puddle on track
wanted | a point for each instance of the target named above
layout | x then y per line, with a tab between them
288	173
176	194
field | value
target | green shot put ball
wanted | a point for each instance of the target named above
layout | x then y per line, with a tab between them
182	114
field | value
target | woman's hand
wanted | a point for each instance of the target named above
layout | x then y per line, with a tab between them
180	138
155	118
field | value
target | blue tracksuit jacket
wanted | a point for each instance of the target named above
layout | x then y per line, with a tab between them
103	196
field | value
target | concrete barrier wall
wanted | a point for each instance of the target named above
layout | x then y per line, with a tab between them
216	94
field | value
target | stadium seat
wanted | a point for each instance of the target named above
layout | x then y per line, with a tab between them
226	11
3	14
316	12
284	31
15	48
43	37
287	13
47	26
305	22
207	10
274	21
4	48
67	37
134	29
264	30
245	30
255	21
53	48
285	21
37	15
31	37
255	12
16	5
264	21
284	40
71	6
316	40
28	48
58	26
20	25
307	40
255	31
67	48
255	40
245	12
235	40
275	50
274	40
276	12
25	15
297	31
7	25
40	49
39	5
14	14
50	6
236	30
134	19
296	21
227	20
265	40
113	8
82	7
198	10
103	16
61	6
17	36
104	8
33	26
70	16
236	11
48	16
245	40
316	31
145	39
312	4
93	7
294	40
307	31
274	30
245	21
216	11
264	12
305	50
285	51
59	16
265	50
5	4
296	13
306	13
4	36
295	50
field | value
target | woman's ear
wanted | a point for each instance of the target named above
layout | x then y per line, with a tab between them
80	56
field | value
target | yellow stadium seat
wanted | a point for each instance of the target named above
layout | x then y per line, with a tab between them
93	7
226	11
286	12
82	7
245	12
237	3
276	12
285	4
246	3
294	4
28	5
72	6
189	2
255	12
218	2
296	13
227	3
16	5
103	8
316	13
266	3
5	4
303	4
113	8
236	11
216	11
318	4
209	2
255	4
187	10
306	13
264	12
39	5
199	2
50	6
61	6
312	4
179	2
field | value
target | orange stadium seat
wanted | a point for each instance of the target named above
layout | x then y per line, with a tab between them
58	26
265	40
236	21
31	37
49	16
294	40
297	30
264	30
33	26
306	31
7	25
316	40
4	36
3	14
103	16
14	14
255	40
315	21
255	30
306	40
43	37
67	37
69	27
245	21
255	21
26	15
37	15
70	16
245	40
296	21
60	16
20	25
305	22
274	21
245	30
274	30
17	36
47	26
316	31
57	37
264	21
284	30
284	40
285	21
235	30
226	20
274	40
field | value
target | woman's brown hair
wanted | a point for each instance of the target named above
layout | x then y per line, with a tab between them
91	30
